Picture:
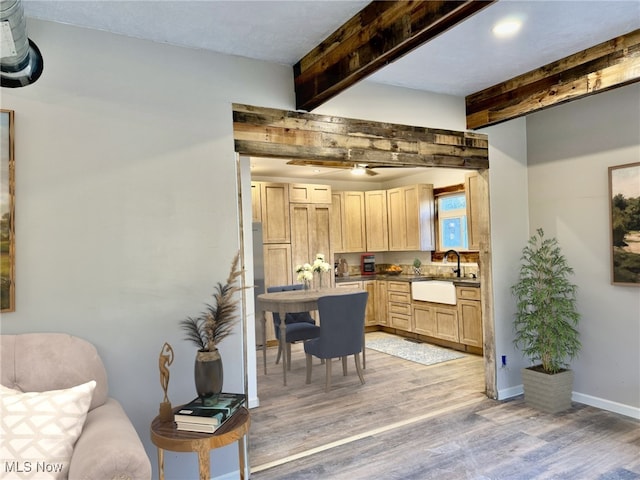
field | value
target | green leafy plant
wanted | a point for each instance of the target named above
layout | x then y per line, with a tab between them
217	321
546	317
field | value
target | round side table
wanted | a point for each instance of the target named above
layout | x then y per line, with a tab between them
166	436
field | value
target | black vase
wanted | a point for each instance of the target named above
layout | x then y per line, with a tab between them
208	375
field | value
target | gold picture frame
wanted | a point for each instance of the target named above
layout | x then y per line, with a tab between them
7	212
624	223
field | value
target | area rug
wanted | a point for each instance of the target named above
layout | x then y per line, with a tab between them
423	353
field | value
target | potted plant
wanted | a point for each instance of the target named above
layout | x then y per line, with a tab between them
545	324
211	327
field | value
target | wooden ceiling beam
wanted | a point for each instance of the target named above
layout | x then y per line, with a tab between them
609	65
380	33
268	132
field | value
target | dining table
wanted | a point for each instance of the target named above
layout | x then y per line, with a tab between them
292	301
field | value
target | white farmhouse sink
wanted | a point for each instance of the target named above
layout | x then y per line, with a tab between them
434	291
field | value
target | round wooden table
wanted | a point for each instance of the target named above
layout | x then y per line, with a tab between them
166	436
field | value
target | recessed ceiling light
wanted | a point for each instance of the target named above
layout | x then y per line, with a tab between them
507	28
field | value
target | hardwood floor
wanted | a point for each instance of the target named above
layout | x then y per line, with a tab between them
411	421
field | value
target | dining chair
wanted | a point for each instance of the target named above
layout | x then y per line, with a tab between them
300	326
341	333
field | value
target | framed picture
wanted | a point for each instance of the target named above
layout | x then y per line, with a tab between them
624	198
7	213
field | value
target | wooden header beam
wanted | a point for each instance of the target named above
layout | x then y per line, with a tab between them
597	69
267	132
380	33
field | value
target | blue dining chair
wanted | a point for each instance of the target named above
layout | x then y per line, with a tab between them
300	326
341	332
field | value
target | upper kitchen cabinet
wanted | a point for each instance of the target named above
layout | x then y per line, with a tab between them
275	212
375	203
349	210
473	192
411	214
309	193
310	232
256	202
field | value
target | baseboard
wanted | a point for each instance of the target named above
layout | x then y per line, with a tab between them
602	403
510	392
605	404
229	476
254	402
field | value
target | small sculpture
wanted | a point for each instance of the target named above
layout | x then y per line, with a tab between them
164	360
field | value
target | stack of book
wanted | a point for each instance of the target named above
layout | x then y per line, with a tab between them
195	416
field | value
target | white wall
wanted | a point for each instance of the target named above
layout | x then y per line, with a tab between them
569	151
127	209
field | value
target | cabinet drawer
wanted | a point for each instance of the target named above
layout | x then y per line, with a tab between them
402	322
402	308
399	286
398	297
468	293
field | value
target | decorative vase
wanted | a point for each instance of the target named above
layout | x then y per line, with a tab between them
319	280
549	393
208	375
306	284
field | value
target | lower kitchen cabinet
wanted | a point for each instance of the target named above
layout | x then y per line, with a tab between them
382	306
436	320
370	287
399	305
469	316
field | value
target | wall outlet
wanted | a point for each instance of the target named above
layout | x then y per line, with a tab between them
504	361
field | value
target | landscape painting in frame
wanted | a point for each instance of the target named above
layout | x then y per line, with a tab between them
624	195
7	209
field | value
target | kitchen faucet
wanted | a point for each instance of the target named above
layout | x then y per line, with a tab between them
444	260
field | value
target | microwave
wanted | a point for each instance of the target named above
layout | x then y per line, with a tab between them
367	264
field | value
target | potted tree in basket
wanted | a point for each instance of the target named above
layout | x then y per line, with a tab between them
208	329
545	324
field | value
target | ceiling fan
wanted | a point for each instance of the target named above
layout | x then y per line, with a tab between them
355	167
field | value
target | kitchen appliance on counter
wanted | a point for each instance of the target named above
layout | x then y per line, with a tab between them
342	270
367	264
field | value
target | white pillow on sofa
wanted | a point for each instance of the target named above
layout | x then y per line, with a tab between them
39	429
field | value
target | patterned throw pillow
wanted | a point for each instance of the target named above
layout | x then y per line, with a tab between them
39	429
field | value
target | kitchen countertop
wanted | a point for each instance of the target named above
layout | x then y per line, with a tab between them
466	281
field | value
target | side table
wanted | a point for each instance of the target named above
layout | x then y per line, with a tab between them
166	436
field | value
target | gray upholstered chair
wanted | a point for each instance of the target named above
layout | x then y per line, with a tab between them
300	326
341	332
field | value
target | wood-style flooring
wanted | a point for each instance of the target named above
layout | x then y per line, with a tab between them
411	421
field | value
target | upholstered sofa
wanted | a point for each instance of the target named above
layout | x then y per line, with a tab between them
107	447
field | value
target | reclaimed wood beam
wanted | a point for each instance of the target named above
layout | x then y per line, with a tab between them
380	33
267	132
609	65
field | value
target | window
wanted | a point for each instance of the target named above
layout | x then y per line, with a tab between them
452	221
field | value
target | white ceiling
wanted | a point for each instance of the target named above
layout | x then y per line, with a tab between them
464	60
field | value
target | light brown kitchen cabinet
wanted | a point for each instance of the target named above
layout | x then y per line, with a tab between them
310	235
350	210
376	229
473	193
309	193
399	305
469	316
411	212
256	202
275	212
436	320
370	314
382	306
277	271
337	237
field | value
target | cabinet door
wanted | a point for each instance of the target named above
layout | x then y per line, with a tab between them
277	271
396	219
424	320
309	193
472	189
310	235
470	322
381	302
337	212
353	222
446	320
370	314
275	212
375	207
256	202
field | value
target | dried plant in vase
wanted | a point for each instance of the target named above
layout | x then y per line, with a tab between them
211	327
